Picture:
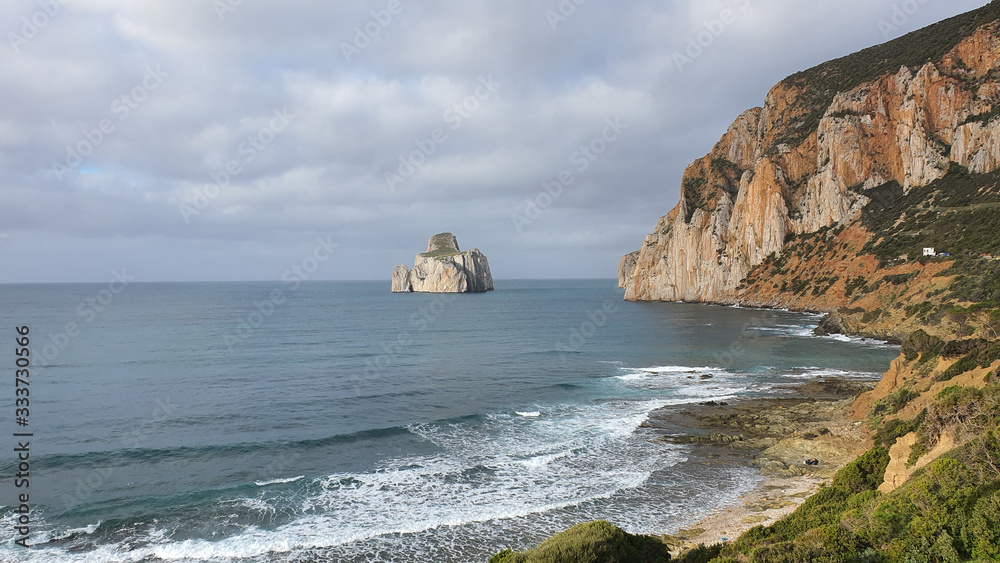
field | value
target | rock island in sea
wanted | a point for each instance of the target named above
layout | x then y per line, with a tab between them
443	268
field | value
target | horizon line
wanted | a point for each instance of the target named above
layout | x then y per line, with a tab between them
304	282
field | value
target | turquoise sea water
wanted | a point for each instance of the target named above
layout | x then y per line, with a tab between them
338	422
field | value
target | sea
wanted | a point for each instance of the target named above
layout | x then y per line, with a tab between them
335	421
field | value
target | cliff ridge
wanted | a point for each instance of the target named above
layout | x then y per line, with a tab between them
826	143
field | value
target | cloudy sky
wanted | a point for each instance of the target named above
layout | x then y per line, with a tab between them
224	139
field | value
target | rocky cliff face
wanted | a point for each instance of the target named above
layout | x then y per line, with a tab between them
443	268
812	156
626	267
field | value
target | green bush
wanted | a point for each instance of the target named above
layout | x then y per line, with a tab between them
917	450
505	556
854	285
785	552
920	343
887	434
956	395
956	348
982	356
593	542
921	310
899	279
976	281
701	554
894	402
864	473
984	527
958	368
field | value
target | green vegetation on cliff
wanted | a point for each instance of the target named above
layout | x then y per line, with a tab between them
442	245
820	84
957	214
811	93
948	511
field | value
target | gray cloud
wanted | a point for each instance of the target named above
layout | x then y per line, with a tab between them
187	97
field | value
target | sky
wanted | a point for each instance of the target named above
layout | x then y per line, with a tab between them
233	140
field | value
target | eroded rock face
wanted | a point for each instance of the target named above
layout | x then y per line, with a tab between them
767	178
626	267
444	269
401	280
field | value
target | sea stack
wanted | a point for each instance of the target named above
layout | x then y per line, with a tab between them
443	268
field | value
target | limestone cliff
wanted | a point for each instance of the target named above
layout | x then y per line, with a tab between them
626	267
825	199
824	144
443	268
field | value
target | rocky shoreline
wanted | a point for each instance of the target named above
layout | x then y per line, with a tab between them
776	435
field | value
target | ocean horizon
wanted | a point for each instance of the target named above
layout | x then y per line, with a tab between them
252	422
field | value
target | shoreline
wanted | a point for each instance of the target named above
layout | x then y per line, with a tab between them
773	499
775	435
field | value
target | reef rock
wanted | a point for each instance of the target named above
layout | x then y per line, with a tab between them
443	268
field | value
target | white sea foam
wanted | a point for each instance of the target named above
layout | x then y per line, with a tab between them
866	342
677	369
504	466
677	385
817	373
532	414
278	481
793	330
545	459
808	331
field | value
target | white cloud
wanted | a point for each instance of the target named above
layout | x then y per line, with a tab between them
325	171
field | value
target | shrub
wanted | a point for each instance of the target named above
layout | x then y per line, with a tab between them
920	343
505	556
701	554
984	528
838	539
963	365
894	402
898	279
965	410
922	309
982	356
864	473
859	478
917	450
888	433
956	348
593	542
785	552
976	281
854	285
